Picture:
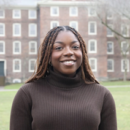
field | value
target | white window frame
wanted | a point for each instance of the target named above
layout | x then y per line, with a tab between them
30	64
94	70
3	13
3	47
112	61
1	35
30	35
5	66
51	11
51	24
29	14
14	47
17	35
122	46
35	47
127	30
95	24
19	65
122	70
109	29
16	17
75	22
112	47
89	45
89	12
70	11
16	80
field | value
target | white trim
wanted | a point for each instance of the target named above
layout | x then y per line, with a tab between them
95	60
5	67
112	61
14	47
3	47
1	35
19	28
127	30
89	46
16	80
95	28
70	11
89	12
30	65
51	24
122	46
29	27
3	14
110	30
76	24
16	17
112	47
19	65
29	14
51	11
122	70
35	47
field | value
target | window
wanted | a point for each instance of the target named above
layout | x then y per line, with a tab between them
109	32
125	47
93	64
32	14
2	13
110	65
54	11
73	11
92	46
74	25
32	47
16	29
91	11
125	30
32	63
16	65
16	80
110	48
54	24
2	29
109	15
32	30
17	47
92	28
124	65
17	13
2	47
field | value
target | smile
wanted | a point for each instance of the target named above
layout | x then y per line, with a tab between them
68	63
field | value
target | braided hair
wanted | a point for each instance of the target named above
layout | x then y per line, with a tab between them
45	51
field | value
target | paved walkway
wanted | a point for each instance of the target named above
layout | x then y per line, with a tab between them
2	88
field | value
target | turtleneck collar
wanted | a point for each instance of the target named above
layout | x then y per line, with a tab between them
62	81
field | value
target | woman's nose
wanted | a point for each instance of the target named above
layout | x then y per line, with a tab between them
68	51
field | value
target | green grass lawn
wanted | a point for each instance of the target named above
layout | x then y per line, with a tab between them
121	96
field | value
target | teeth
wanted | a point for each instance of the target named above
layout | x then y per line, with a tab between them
69	61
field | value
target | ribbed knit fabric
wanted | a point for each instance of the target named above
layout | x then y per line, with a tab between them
63	103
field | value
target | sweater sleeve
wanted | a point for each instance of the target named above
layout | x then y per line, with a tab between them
20	118
108	114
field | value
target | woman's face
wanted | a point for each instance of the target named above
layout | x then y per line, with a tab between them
66	55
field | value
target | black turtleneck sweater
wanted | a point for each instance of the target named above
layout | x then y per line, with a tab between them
63	103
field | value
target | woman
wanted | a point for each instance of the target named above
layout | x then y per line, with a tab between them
63	93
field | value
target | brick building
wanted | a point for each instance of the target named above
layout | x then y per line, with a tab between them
22	29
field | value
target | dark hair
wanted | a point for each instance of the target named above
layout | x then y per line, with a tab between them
45	50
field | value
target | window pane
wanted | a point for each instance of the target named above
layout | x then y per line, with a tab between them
92	46
32	29
109	32
54	10
16	13
1	29
32	65
124	30
92	64
54	25
1	13
92	11
17	29
32	48
1	47
92	27
125	64
125	47
73	25
17	47
109	65
73	10
17	65
32	13
109	47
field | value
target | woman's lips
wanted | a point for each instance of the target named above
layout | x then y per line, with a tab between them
68	63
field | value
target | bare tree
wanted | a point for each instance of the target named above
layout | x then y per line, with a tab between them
115	16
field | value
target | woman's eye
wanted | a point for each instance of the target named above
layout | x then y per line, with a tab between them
75	47
58	48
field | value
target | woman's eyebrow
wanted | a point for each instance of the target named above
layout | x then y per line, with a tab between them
63	42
